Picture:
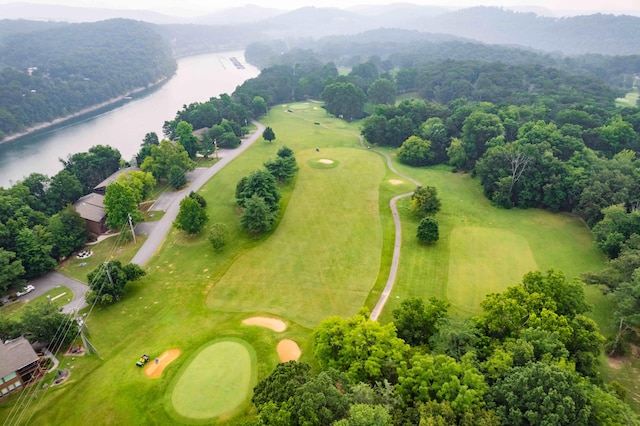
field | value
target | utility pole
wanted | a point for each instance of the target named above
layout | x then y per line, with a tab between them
131	226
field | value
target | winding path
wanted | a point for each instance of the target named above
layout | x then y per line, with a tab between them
397	247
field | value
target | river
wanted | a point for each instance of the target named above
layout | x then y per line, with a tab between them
197	79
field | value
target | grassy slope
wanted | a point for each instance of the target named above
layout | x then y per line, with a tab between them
168	308
555	240
328	268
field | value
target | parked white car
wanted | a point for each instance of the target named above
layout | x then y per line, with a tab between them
27	289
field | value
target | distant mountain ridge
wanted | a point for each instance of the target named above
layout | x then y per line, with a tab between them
596	33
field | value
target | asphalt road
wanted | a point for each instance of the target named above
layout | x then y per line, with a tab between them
170	202
52	280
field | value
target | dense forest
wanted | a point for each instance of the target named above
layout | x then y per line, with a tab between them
62	70
528	358
410	48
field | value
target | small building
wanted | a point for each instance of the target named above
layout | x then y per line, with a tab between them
101	188
91	209
19	365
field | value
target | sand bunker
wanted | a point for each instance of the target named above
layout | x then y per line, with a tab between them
325	161
272	323
154	370
288	350
395	181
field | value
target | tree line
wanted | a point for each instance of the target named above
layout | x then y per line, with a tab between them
61	70
528	358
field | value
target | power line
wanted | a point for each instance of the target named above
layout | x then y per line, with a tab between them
28	394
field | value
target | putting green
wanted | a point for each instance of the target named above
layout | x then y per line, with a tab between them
485	260
216	382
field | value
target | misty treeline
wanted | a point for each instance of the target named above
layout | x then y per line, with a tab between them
52	71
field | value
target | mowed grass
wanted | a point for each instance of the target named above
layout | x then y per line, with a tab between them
324	257
486	260
630	100
551	240
167	308
171	307
215	382
59	296
113	247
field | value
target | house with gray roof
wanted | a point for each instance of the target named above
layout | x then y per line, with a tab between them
91	209
19	365
101	188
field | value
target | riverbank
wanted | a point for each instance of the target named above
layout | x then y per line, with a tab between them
86	112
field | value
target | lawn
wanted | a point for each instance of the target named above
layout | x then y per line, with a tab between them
329	255
113	247
631	99
547	240
487	260
325	255
217	380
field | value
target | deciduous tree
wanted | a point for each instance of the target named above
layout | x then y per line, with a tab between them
417	323
366	350
107	282
425	201
268	134
540	394
416	152
11	270
43	322
120	204
260	183
68	232
257	215
192	217
382	91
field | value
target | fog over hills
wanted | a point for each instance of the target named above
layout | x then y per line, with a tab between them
596	33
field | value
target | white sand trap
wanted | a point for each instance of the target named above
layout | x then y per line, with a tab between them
325	161
288	350
395	181
271	323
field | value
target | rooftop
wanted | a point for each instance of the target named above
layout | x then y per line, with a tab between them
15	354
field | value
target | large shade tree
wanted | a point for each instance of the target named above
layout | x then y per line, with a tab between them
366	350
107	282
120	204
192	216
344	100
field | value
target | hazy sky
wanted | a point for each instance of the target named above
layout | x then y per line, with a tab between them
189	7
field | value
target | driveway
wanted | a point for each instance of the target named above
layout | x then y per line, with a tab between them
53	280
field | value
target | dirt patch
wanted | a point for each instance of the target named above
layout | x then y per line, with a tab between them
155	368
325	161
395	181
288	350
271	323
616	363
